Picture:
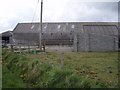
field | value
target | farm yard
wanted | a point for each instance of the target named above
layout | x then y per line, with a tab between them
68	48
43	70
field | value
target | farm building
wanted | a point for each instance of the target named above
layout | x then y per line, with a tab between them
69	36
6	37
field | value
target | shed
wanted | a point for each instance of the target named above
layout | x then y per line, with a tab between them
6	37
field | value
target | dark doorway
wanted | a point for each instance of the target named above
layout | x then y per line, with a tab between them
6	37
6	40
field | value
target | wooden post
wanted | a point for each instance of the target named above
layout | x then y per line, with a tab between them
62	59
20	48
44	47
28	49
40	34
12	48
34	49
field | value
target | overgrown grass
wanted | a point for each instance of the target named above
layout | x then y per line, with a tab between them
0	67
0	75
44	71
99	66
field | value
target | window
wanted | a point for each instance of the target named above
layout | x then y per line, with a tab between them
45	26
32	26
73	26
59	26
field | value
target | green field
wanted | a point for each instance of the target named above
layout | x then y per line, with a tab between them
82	70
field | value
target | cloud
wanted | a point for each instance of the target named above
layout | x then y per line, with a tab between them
82	11
18	11
4	23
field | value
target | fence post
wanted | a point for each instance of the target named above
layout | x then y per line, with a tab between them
20	48
12	48
61	56
44	47
28	49
62	59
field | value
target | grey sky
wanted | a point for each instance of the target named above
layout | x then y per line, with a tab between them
18	11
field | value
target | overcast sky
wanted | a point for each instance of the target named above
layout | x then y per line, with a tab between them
13	12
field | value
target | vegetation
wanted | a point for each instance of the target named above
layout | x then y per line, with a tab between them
0	67
81	70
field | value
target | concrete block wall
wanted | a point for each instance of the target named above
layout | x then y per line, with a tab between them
116	43
96	42
101	43
82	42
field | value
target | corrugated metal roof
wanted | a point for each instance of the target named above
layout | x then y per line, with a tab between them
110	30
54	33
7	34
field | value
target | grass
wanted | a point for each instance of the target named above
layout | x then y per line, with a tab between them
82	70
0	75
0	68
11	80
100	66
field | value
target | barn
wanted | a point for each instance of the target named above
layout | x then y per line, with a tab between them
6	38
69	36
